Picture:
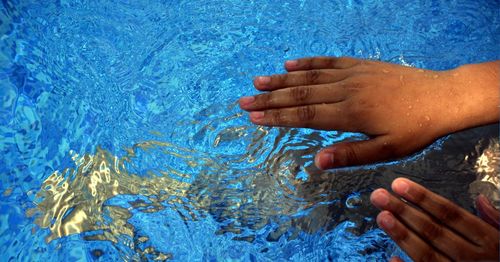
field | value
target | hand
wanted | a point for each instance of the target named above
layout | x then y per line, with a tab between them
433	228
402	109
487	212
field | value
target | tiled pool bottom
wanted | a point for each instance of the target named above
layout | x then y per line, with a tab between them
121	138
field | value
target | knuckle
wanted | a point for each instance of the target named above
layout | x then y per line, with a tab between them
351	155
344	60
365	63
419	196
355	83
428	256
389	149
448	213
364	71
265	100
463	251
482	252
306	113
307	62
332	62
401	236
432	231
357	108
312	76
399	207
280	79
277	117
301	94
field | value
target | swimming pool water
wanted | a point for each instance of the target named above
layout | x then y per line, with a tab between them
121	138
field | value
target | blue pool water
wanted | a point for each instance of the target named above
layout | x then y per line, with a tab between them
121	139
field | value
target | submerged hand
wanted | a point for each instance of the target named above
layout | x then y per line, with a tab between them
402	109
433	228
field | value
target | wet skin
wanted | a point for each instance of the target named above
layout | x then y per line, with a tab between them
402	109
433	228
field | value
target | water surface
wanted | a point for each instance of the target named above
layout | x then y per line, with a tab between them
121	137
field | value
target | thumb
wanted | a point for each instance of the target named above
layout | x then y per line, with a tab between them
355	153
487	212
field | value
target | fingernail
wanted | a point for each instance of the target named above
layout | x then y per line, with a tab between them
256	115
387	221
325	161
264	80
331	157
400	186
381	198
483	201
481	197
246	100
291	63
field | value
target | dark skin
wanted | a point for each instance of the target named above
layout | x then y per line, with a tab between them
434	228
402	110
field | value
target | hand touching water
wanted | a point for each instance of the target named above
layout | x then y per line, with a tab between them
432	228
402	109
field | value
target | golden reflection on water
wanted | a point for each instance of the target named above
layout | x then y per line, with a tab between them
73	200
487	169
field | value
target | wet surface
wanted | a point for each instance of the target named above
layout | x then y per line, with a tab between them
121	137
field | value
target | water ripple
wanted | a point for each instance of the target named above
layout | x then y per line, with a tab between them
96	78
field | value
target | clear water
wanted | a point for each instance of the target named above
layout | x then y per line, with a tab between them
121	138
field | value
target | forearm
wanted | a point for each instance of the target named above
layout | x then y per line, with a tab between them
474	96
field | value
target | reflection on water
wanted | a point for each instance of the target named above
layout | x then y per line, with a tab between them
487	169
272	182
97	76
278	185
74	200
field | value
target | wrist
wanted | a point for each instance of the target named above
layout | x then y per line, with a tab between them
474	96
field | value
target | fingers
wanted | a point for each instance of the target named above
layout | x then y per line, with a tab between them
410	242
320	62
294	96
487	212
443	210
300	78
431	231
309	116
355	153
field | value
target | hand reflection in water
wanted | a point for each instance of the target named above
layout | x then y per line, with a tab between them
402	110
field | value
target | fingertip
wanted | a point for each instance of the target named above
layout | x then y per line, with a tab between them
324	160
400	186
317	162
379	198
246	101
374	194
256	116
291	65
262	82
385	220
482	200
256	83
396	259
487	211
